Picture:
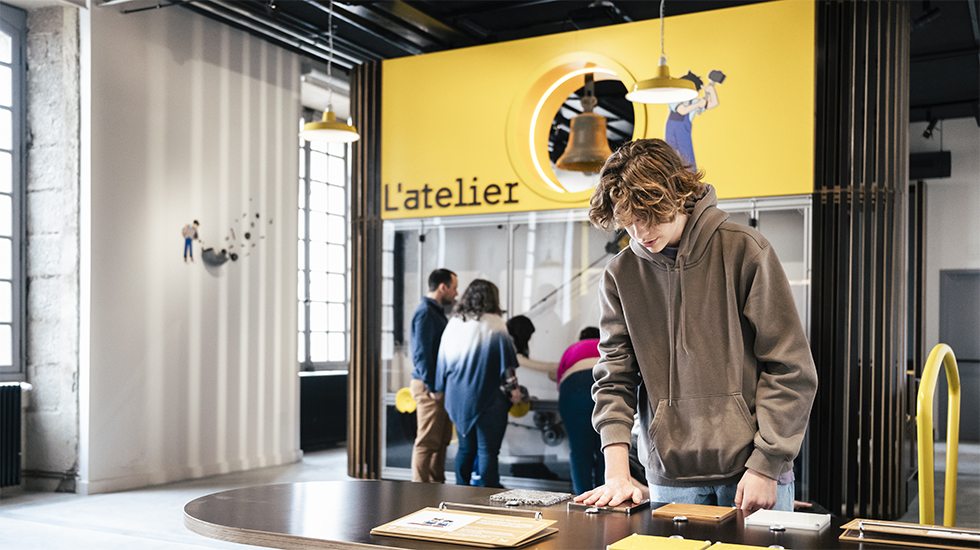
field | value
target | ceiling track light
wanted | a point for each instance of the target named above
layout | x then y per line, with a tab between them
929	14
329	129
662	88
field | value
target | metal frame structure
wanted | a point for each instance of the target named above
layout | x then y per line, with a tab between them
510	222
14	23
860	422
364	379
307	364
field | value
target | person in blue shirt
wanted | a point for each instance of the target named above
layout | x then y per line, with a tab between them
435	430
476	368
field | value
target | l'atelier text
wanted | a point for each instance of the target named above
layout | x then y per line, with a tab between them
426	197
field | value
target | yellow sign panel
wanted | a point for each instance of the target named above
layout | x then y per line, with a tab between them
466	131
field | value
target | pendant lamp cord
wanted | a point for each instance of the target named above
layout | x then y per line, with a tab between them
330	59
663	54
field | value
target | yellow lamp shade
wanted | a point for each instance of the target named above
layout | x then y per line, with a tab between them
663	89
330	130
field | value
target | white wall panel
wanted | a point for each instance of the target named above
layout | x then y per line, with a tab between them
952	204
193	370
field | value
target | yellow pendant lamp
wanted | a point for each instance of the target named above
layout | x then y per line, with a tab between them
329	129
662	88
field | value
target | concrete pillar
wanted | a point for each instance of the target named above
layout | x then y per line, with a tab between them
50	460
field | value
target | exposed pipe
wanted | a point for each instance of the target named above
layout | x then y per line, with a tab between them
271	30
306	39
320	79
303	28
346	17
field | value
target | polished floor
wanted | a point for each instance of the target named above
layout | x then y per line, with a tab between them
152	518
967	487
145	519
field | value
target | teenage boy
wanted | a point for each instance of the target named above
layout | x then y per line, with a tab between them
435	430
699	332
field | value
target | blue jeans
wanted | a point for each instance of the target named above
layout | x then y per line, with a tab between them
575	405
188	248
718	495
483	439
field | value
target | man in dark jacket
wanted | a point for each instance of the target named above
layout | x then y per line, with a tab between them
435	430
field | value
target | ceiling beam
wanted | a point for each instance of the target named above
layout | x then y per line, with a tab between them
345	14
949	54
412	24
276	32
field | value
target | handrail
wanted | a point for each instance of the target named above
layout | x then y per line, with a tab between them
941	354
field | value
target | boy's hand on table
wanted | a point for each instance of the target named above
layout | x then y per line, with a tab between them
614	492
755	492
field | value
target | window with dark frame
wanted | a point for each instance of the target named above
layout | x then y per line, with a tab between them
323	254
13	70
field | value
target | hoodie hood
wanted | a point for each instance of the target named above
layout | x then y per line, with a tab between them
704	219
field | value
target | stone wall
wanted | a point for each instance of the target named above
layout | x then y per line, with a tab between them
50	460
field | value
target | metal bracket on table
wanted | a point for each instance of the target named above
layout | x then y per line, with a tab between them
495	509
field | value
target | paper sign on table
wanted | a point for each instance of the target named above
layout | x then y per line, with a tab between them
472	529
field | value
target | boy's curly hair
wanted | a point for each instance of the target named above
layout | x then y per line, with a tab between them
644	179
481	296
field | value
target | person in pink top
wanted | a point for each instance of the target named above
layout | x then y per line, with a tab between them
575	405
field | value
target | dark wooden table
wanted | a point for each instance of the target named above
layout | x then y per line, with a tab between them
341	514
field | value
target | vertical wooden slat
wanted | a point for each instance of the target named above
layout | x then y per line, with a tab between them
859	303
364	379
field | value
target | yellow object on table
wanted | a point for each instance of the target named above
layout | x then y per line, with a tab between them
650	542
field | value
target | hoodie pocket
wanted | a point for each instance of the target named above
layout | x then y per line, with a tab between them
702	438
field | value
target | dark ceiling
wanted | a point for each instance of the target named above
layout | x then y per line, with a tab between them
945	47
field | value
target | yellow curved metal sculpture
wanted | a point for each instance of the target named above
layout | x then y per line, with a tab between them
940	355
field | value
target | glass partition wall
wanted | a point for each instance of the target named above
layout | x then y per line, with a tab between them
547	266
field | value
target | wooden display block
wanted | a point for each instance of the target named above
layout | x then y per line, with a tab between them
695	511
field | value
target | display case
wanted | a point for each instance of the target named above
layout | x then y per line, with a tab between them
547	266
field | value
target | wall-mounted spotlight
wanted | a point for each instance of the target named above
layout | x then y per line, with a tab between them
929	14
932	126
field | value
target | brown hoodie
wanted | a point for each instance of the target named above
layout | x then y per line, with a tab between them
710	347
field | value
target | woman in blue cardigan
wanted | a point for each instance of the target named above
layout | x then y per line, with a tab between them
476	370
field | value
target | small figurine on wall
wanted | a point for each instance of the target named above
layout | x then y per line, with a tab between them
677	131
190	233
